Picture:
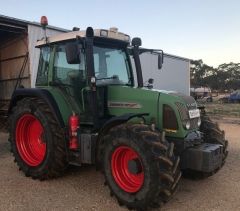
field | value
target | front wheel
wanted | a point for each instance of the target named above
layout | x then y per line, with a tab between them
139	166
213	134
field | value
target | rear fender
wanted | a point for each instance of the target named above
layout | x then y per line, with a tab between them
44	94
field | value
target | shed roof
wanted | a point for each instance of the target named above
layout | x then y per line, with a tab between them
15	22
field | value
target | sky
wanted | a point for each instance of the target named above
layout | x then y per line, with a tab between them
203	29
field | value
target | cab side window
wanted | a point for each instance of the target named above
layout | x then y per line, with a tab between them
64	72
43	67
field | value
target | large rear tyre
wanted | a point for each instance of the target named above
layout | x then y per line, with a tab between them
139	166
37	140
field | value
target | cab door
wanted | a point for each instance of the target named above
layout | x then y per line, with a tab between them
71	81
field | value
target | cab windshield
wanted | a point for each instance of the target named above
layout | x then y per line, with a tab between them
111	66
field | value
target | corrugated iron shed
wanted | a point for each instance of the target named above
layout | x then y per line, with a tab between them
18	55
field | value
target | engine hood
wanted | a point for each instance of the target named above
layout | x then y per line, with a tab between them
187	100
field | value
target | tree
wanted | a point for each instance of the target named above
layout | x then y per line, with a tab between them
226	76
232	75
199	71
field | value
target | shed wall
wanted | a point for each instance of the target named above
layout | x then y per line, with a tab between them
36	33
174	75
12	56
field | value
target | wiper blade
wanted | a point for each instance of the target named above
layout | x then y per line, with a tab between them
58	83
112	77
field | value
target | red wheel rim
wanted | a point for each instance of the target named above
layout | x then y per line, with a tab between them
126	180
29	140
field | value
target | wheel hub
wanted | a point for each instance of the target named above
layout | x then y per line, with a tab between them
134	166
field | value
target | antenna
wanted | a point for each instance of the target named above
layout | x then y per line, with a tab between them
44	23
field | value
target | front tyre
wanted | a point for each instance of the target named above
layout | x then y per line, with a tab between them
213	134
127	169
37	140
139	166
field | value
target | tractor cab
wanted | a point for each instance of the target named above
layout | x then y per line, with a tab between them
82	65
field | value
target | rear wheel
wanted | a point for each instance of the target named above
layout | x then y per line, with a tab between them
139	166
37	140
30	142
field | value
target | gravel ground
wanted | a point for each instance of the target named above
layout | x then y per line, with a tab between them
82	188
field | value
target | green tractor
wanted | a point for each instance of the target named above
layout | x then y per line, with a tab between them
86	109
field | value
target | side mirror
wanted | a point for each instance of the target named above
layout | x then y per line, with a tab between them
160	61
136	41
72	53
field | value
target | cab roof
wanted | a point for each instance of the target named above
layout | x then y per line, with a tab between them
112	33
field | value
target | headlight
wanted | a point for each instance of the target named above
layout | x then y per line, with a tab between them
199	122
103	33
188	125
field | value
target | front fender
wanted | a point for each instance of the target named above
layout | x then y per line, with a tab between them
114	121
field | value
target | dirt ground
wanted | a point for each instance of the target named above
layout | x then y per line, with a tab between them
82	188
